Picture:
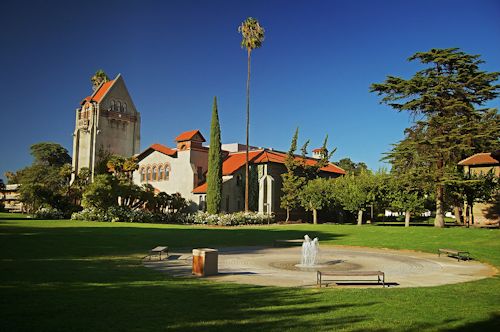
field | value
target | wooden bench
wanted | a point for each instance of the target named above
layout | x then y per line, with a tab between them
157	251
288	242
379	274
459	254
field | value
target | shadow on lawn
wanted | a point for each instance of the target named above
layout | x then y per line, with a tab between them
92	278
79	242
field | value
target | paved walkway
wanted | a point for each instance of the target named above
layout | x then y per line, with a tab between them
277	266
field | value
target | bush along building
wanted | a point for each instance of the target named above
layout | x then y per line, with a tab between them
183	169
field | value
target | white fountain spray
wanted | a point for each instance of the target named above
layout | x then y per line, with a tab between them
310	249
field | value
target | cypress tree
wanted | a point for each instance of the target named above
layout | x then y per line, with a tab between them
214	178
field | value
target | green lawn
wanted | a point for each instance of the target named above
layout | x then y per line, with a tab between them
84	276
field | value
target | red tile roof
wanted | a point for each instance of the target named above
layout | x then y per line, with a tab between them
479	159
157	147
163	149
99	94
188	135
317	150
236	160
201	189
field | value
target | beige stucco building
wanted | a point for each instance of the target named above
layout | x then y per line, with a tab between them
177	170
106	121
183	169
483	163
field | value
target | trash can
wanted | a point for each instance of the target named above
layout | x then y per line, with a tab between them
205	262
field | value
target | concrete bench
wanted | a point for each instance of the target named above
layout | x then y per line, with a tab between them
157	251
288	242
459	254
379	274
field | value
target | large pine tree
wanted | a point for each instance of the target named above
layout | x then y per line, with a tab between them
214	178
445	96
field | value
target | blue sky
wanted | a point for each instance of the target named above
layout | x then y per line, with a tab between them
313	71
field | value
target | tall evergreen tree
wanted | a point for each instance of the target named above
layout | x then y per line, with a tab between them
253	37
445	96
292	181
214	178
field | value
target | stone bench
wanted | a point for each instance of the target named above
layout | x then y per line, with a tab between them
379	274
459	254
157	251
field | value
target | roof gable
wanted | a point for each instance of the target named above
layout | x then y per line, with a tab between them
480	159
101	91
157	147
192	135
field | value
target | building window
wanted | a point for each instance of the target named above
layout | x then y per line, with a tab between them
150	176
124	107
143	175
155	174
113	105
167	172
161	174
200	203
118	106
238	180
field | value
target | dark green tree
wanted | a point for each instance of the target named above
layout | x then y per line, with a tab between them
315	195
2	194
252	37
46	181
50	154
351	167
214	178
102	193
445	96
356	193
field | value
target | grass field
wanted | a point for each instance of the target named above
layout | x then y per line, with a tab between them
85	276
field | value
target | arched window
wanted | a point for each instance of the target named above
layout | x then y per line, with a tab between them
143	174
160	173
150	177
167	172
124	107
118	106
113	105
155	174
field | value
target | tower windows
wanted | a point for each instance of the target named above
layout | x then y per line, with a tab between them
155	174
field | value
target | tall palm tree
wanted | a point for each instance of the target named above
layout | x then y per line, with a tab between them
253	36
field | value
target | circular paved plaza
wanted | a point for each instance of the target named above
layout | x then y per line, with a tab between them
279	266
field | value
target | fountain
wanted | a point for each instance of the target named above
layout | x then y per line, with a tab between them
310	249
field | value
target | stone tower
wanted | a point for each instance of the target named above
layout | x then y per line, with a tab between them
107	120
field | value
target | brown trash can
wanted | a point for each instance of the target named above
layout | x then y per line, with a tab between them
205	262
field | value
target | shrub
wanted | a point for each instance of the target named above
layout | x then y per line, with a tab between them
125	214
231	219
48	213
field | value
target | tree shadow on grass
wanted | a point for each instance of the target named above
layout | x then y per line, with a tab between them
72	242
